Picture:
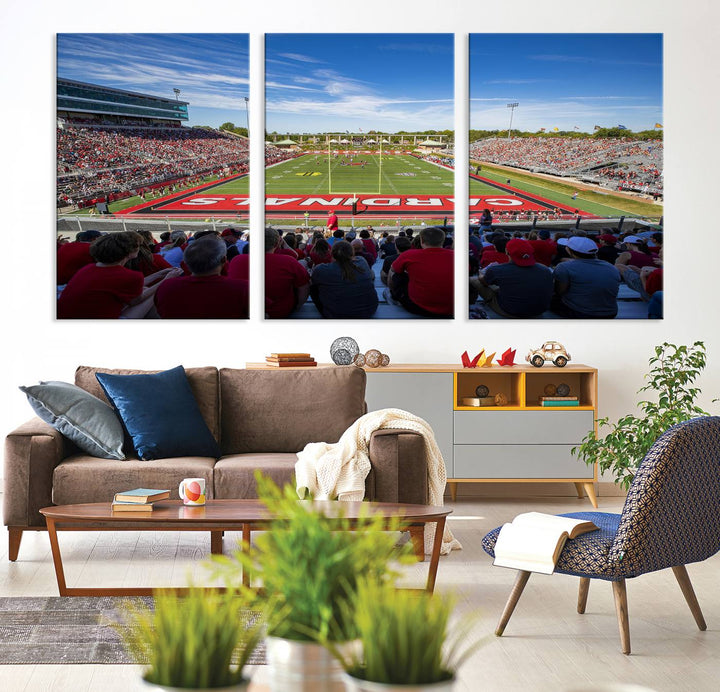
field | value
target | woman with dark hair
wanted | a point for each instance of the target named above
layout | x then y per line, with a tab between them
146	261
344	289
636	254
320	253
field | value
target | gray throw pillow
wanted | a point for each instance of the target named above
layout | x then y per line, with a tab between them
83	418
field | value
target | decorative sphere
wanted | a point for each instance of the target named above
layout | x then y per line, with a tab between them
349	347
563	389
342	357
482	391
550	390
385	360
500	399
359	360
373	358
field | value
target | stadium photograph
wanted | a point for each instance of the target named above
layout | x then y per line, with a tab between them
359	176
566	176
145	122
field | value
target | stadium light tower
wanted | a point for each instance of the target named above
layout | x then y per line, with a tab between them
177	93
512	107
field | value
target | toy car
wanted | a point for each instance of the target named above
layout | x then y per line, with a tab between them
551	350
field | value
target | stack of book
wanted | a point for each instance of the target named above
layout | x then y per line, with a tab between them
559	401
138	500
290	360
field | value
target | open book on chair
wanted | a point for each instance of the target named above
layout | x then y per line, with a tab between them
533	541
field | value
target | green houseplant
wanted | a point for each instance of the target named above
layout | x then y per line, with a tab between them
310	565
673	372
405	641
194	641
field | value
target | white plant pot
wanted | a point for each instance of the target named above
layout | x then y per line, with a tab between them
295	666
239	687
357	685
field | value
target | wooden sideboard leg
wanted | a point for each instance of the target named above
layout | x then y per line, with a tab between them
417	536
583	594
580	490
590	490
621	608
453	491
683	580
216	542
14	538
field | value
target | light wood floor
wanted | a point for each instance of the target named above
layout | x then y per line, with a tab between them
547	646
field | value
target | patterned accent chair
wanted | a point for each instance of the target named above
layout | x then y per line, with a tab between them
671	518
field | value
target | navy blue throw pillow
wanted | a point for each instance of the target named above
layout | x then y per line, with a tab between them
160	413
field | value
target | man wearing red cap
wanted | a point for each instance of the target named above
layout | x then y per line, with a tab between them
332	222
520	288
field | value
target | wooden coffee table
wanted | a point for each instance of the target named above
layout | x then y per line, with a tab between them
218	516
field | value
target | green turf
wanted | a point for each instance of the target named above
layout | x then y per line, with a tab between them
309	175
587	200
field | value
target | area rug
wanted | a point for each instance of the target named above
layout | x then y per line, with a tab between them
70	630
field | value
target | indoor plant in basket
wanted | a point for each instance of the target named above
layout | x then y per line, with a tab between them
405	643
673	372
201	640
309	565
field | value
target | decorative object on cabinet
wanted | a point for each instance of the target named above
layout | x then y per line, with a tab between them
508	357
552	351
343	350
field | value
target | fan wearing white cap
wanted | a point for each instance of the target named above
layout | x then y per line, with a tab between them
585	287
636	254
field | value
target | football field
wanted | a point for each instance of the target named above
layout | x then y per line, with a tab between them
389	174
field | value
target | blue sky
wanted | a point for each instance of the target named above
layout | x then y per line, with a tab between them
211	70
566	81
339	82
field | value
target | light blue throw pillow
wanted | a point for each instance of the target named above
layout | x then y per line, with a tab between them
83	418
160	413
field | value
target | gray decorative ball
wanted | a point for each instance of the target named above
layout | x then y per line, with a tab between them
563	389
482	391
343	350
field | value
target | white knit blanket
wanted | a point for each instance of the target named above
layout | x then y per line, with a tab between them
329	471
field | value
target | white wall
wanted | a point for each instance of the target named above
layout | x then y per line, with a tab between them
35	346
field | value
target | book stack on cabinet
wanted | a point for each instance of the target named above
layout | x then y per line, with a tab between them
290	360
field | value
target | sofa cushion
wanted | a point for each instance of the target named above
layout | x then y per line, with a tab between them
83	418
281	411
235	475
80	478
203	382
160	413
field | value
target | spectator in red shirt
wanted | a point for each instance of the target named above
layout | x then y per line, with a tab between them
544	248
495	253
107	289
205	294
73	256
287	282
332	222
422	280
147	262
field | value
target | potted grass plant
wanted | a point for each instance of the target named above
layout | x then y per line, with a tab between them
405	641
198	641
310	565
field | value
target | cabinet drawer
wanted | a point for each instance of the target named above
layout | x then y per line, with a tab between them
522	427
519	461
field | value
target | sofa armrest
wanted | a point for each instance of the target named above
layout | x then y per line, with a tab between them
32	452
399	472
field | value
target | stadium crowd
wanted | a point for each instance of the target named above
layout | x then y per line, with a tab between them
103	163
622	164
570	275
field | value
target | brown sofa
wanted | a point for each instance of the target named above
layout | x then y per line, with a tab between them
260	418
